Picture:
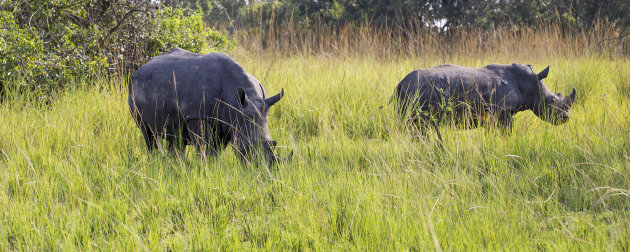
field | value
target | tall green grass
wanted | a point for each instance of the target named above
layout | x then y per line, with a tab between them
75	174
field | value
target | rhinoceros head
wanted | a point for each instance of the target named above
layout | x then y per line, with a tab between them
251	131
552	107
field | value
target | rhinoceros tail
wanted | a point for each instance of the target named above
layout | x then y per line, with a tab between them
437	128
436	125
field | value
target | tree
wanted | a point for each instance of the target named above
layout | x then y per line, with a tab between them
49	44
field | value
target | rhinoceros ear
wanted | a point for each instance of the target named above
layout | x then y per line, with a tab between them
543	74
571	97
241	97
272	100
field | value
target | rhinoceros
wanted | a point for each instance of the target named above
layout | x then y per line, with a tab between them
206	100
476	96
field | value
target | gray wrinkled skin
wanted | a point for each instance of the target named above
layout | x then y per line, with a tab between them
470	97
203	99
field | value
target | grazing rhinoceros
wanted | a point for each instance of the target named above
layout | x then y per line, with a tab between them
477	95
202	99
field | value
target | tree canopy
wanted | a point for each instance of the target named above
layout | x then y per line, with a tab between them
446	14
49	44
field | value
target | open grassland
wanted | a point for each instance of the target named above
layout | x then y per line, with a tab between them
75	174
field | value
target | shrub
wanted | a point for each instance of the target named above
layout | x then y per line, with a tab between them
51	44
174	29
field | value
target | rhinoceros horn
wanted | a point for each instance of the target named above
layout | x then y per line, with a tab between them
272	100
275	159
571	98
289	157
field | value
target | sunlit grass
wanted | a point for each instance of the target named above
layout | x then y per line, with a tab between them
75	174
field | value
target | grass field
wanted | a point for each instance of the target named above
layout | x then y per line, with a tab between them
75	174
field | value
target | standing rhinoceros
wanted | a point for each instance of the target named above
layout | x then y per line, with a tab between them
202	99
477	95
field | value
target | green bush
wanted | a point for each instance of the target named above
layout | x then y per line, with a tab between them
175	29
44	56
52	44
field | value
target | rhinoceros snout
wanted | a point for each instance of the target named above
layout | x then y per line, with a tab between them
563	119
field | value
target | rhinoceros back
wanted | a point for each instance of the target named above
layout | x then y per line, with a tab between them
181	84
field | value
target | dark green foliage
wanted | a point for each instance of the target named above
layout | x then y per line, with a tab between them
215	11
50	44
444	14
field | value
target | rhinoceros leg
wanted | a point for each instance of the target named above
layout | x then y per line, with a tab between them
423	121
436	127
203	136
418	121
505	122
149	136
176	143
